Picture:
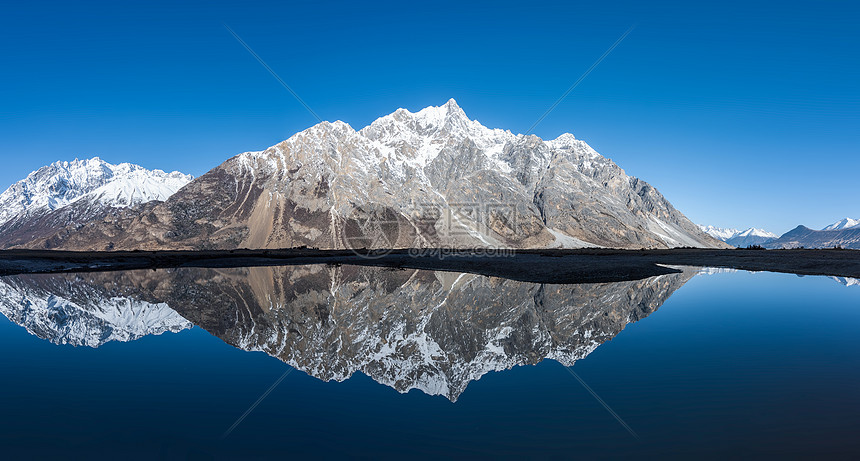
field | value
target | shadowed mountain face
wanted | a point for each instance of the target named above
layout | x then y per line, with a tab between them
408	329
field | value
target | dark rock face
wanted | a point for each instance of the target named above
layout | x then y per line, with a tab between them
429	179
55	226
408	329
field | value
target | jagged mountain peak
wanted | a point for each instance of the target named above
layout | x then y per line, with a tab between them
434	114
446	112
452	104
755	231
447	120
845	223
65	163
336	127
565	139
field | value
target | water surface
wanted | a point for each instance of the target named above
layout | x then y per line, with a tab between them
391	363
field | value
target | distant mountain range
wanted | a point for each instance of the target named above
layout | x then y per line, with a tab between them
802	236
844	233
433	178
739	238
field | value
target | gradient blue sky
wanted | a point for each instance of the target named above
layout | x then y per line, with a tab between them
739	113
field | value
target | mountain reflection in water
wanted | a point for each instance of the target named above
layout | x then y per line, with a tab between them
407	329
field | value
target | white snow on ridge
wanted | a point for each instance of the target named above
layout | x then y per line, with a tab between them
140	187
721	233
756	232
846	223
62	183
427	127
724	234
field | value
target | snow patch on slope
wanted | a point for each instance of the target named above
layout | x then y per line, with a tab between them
672	236
563	240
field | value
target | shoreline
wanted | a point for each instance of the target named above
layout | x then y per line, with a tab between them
538	265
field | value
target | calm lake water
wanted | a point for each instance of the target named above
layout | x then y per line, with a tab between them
199	363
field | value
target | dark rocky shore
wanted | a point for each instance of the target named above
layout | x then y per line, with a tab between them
539	266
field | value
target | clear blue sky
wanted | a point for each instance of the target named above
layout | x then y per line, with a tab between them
740	113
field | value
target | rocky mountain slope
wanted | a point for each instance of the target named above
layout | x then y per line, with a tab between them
426	179
64	196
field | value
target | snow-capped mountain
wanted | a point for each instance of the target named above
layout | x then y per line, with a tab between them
71	193
846	223
844	233
721	233
430	178
62	183
751	236
739	238
69	310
